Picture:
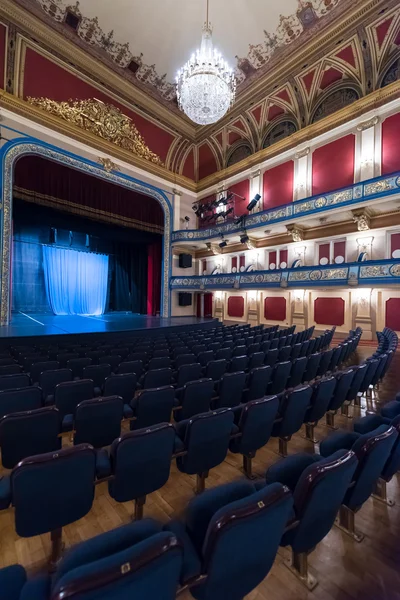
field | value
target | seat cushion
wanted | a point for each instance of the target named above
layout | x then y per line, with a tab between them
12	580
37	588
391	409
369	423
191	560
67	423
289	470
103	464
128	412
341	440
5	492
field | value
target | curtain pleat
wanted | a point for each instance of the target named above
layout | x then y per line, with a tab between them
76	282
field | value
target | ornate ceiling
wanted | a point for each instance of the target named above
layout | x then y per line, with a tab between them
152	39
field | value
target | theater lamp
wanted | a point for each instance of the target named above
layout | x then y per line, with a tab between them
224	243
253	203
244	238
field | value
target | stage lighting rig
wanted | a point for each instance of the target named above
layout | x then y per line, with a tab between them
224	243
240	220
244	238
253	203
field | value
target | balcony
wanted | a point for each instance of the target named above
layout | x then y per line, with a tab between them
369	273
359	193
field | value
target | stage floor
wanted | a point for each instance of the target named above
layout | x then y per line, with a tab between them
26	325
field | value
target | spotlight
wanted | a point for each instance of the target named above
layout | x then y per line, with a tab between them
229	196
222	201
195	208
223	244
239	220
253	203
229	211
244	238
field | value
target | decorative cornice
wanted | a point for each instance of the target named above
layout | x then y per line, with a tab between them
348	113
368	124
363	219
107	164
21	107
301	153
296	232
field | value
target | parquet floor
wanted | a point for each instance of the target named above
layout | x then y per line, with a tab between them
345	570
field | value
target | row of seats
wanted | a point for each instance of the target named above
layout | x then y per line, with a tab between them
28	429
228	540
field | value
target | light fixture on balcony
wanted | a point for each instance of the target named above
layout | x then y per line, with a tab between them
206	85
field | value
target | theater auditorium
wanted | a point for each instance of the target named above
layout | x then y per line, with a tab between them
199	300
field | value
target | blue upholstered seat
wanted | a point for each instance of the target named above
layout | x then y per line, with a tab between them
257	383
152	406
231	534
19	400
98	374
312	367
344	380
322	394
279	377
326	358
194	398
11	382
370	423
12	581
188	373
69	394
40	367
216	369
98	421
141	463
292	410
76	365
133	366
271	357
28	433
157	378
230	390
123	385
297	371
284	353
205	440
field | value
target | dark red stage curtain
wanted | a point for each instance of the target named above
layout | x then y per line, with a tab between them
329	311
198	305
333	165
390	144
154	257
393	313
51	184
208	298
236	306
275	308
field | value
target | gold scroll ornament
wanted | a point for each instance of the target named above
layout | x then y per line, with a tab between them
104	120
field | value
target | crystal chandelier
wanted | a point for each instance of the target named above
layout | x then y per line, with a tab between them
206	85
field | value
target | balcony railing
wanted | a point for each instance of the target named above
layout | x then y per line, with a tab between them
369	273
351	196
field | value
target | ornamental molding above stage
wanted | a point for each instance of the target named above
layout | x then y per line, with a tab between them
103	120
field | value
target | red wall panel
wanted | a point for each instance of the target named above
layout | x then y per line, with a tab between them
283	257
333	165
207	162
275	308
234	262
242	260
3	53
339	249
324	252
329	311
236	306
278	185
393	313
390	144
188	167
242	189
42	77
272	258
394	243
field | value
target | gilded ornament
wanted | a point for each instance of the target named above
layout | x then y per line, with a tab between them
341	197
395	270
104	120
315	275
377	186
108	164
363	221
334	274
374	271
320	202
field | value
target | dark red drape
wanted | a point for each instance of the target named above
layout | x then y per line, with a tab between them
154	258
51	184
198	305
208	298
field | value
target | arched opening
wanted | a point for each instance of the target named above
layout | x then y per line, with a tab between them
279	132
333	102
392	74
239	153
63	208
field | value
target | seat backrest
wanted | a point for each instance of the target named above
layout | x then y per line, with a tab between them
296	349
321	397
223	353
196	398
126	572
10	369
238	363
111	359
359	374
69	394
161	362
255	424
28	433
205	357
97	373
335	358
293	409
141	462
318	495
185	359
242	541
132	366
239	350
94	355
258	382
326	358
19	400
373	450
256	360
40	367
216	369
206	440
344	379
153	406
312	367
284	353
77	365
64	357
63	490
271	357
280	376
50	379
188	373
123	385
371	370
160	352
297	371
98	421
231	389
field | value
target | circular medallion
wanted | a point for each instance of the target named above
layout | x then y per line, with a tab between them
259	278
395	270
315	275
323	261
320	202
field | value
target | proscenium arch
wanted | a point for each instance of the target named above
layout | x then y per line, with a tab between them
12	151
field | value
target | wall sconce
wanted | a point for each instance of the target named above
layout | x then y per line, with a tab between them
218	295
363	296
298	295
252	295
299	251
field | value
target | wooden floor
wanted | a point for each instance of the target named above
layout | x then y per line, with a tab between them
345	570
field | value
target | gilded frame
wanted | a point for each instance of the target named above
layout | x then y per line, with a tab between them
12	151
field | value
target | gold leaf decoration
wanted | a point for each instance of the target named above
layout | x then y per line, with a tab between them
104	120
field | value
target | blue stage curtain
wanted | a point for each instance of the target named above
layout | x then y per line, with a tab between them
76	282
